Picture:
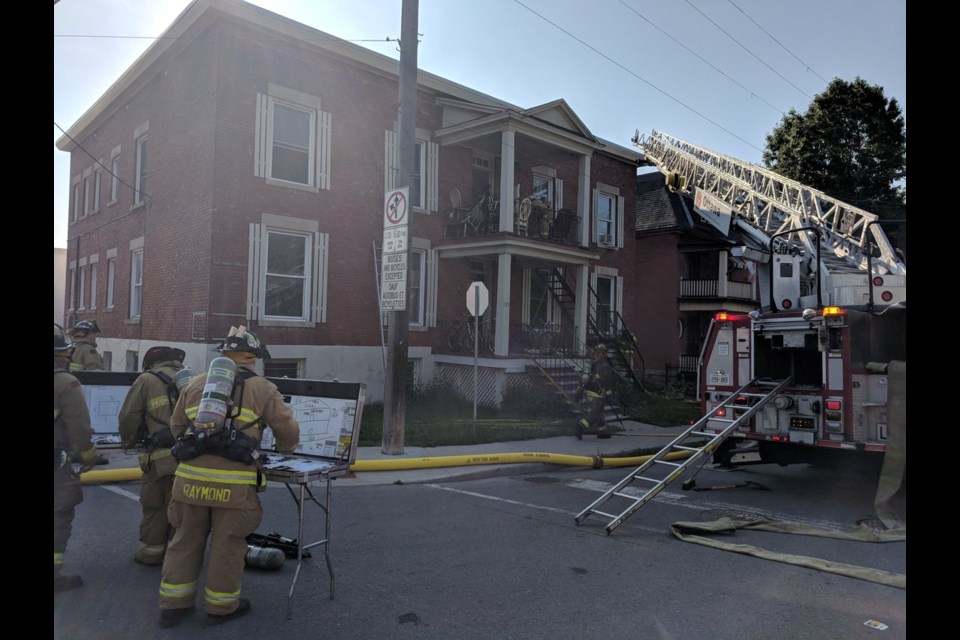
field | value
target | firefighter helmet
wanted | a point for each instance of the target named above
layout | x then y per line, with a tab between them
61	343
160	354
243	340
85	326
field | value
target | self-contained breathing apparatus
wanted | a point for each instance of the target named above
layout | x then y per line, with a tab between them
223	439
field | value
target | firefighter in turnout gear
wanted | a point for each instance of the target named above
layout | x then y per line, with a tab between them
593	394
216	486
85	355
72	437
144	422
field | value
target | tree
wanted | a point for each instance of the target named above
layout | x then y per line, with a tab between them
851	144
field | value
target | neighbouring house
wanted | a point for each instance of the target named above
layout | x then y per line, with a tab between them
241	169
682	259
59	284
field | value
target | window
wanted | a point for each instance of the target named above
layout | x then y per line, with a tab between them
73	288
76	201
288	264
97	180
424	185
107	360
141	177
115	178
82	277
292	139
283	368
111	280
607	216
93	285
132	361
86	196
136	283
547	187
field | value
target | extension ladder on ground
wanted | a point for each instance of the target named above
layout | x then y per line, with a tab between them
738	408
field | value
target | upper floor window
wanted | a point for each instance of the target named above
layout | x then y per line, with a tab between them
424	177
86	195
115	178
607	216
73	289
111	280
288	263
97	180
136	283
76	201
141	176
82	277
292	139
93	285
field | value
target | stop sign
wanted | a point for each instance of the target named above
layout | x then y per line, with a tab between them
478	298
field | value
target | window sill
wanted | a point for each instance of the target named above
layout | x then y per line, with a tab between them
112	202
138	205
306	324
131	321
291	185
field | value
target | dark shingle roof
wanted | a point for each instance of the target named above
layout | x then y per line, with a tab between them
658	209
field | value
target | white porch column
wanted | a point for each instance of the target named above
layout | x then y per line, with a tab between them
501	340
583	200
580	306
507	158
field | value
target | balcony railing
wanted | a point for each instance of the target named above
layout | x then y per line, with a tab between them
531	219
712	289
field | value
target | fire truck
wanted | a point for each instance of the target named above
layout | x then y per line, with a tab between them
821	365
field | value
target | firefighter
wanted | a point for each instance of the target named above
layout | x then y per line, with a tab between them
144	422
595	395
85	354
72	436
216	486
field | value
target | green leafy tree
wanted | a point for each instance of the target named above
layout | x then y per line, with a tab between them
851	144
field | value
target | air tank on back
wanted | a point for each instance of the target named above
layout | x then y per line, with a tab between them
214	401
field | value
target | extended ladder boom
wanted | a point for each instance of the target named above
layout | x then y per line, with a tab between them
772	203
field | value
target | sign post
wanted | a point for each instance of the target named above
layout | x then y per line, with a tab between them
477	300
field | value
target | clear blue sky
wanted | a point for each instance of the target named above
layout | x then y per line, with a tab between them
718	73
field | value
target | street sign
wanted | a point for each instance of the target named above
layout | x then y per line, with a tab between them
395	207
395	239
393	282
478	298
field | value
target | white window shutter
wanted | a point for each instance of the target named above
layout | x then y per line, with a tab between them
260	138
390	164
433	175
525	307
253	273
323	149
322	243
620	222
593	217
558	193
431	293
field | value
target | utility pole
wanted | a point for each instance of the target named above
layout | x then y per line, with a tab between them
395	379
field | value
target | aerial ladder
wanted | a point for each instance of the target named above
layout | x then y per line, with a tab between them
683	452
841	244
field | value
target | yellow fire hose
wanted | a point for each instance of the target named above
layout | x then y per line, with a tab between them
98	476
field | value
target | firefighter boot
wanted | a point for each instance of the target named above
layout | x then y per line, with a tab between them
173	617
65	583
242	609
603	431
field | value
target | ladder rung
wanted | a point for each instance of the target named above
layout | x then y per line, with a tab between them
753	395
672	464
721	420
738	406
653	480
709	435
679	446
601	513
627	496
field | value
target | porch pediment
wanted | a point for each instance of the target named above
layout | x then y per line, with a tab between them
554	122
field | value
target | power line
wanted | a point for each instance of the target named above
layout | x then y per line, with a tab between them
638	77
105	168
109	37
748	50
714	67
808	67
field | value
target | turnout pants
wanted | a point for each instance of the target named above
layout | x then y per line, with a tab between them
67	494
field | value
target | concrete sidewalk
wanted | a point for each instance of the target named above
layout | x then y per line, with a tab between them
483	459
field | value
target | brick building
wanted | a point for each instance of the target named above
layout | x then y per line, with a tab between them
242	165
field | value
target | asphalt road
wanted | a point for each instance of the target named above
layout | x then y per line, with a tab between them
501	557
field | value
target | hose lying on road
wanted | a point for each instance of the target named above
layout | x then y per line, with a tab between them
98	476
